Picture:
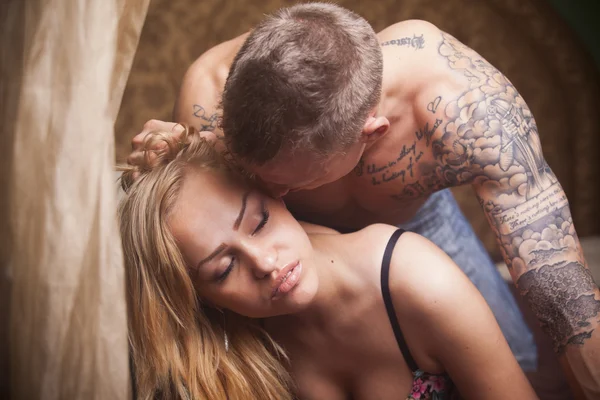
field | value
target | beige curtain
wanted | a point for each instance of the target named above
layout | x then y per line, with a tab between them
62	308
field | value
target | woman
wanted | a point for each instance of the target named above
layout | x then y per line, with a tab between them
230	298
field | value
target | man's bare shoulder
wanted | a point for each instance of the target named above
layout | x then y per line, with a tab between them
216	60
204	80
408	28
410	51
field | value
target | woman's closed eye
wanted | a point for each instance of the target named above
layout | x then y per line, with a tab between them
222	277
264	212
265	218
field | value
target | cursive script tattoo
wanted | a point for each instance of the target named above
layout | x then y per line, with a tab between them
428	133
208	122
400	167
416	42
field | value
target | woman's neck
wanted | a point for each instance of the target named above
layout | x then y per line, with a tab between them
339	284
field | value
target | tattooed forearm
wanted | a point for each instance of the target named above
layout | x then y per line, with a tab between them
562	297
490	139
416	42
487	136
208	122
540	245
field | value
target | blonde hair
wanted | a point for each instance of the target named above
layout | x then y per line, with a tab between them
177	343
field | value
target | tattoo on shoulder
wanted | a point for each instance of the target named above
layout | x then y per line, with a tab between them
427	132
486	132
208	121
487	136
433	106
490	138
416	42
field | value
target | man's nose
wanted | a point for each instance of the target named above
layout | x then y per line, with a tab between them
277	190
281	193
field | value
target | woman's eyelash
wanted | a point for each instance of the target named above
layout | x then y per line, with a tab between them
227	271
264	220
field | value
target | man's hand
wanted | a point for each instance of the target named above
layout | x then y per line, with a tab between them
140	152
137	143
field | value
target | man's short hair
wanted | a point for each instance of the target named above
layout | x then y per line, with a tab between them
305	78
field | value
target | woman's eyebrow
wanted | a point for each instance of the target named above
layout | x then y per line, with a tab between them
238	220
212	255
236	226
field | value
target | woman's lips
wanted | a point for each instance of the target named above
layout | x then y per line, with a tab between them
287	279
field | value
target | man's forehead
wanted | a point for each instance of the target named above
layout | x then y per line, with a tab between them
286	173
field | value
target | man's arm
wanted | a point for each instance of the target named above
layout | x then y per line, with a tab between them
198	98
196	106
489	138
202	86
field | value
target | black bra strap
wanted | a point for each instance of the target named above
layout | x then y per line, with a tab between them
387	299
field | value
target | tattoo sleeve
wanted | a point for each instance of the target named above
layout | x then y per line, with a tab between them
489	138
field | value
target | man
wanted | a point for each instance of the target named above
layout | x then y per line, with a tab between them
355	128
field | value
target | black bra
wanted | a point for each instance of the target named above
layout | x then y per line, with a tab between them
387	299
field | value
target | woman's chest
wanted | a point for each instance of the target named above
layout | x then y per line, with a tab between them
355	381
357	361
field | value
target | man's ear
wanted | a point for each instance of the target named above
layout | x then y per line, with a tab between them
210	136
375	128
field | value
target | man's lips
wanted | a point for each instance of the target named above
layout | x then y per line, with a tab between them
286	279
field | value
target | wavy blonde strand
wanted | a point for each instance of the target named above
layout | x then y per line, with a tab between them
176	342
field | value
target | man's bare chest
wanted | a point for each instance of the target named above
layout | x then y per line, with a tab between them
388	185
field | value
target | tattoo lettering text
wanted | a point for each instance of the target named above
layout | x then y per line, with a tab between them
416	42
208	122
490	139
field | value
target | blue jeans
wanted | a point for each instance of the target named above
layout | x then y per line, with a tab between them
441	221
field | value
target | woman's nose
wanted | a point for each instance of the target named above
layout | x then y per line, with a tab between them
263	259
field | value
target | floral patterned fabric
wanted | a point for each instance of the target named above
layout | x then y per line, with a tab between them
431	387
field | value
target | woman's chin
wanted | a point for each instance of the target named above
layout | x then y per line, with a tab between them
296	300
303	296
